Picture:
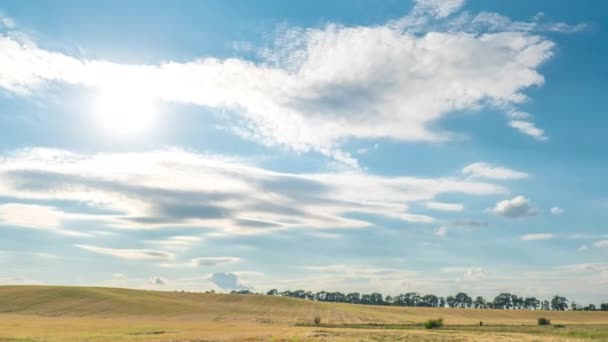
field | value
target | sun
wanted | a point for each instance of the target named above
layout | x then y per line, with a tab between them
125	113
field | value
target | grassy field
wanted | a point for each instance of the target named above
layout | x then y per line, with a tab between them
41	313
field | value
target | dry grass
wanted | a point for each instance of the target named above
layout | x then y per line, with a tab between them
34	313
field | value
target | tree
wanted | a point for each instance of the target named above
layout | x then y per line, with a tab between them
479	303
531	303
441	302
590	307
429	301
604	306
559	303
353	297
451	301
546	305
463	300
272	292
503	301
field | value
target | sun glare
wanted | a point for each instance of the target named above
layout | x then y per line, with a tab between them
125	113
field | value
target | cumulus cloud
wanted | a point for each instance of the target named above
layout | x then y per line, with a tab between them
213	261
485	170
316	88
534	237
516	207
175	188
583	248
131	254
442	206
557	211
228	281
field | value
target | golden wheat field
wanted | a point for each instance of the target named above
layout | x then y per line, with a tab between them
48	313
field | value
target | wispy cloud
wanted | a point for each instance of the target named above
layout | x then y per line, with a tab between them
534	237
132	254
442	206
164	189
485	170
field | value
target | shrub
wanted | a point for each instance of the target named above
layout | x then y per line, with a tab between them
433	323
559	326
544	321
317	320
480	323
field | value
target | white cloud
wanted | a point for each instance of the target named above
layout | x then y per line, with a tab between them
319	87
601	244
528	128
7	22
467	273
38	217
534	237
179	242
442	206
495	22
441	232
485	170
214	261
27	215
174	188
583	248
514	208
557	211
131	254
438	8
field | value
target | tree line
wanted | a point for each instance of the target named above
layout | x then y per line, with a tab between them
505	301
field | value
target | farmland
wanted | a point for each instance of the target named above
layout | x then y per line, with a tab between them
41	313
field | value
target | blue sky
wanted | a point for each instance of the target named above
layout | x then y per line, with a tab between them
432	146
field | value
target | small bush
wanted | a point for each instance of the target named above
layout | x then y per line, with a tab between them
317	320
433	323
544	321
559	326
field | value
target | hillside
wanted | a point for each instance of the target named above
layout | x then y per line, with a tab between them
111	302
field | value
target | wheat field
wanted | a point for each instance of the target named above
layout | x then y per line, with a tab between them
52	313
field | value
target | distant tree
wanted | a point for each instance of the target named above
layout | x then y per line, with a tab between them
531	303
451	301
590	307
559	303
503	301
353	297
441	302
604	306
376	299
388	300
574	306
429	301
463	300
546	305
272	292
479	303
